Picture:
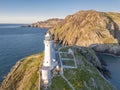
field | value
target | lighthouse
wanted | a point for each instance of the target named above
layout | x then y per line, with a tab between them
48	50
49	61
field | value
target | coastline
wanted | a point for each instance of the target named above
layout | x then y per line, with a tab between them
114	79
107	54
37	27
22	62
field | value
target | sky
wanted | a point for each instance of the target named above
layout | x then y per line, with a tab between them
29	11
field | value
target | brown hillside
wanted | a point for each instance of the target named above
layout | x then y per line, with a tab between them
88	27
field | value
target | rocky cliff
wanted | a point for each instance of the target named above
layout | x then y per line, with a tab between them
46	24
85	28
25	74
107	48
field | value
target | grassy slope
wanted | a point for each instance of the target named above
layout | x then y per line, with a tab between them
24	75
85	77
58	83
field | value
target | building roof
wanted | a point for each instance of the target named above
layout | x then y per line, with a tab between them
48	36
48	33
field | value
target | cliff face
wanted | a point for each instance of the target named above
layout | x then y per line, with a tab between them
25	74
85	28
46	24
107	48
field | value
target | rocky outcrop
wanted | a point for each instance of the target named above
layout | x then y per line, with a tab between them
107	48
46	24
85	28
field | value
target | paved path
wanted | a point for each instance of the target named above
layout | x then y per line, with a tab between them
75	60
60	63
67	82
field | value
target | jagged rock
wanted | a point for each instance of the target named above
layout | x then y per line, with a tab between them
107	48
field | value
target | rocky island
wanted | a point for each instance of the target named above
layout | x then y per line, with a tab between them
82	33
46	24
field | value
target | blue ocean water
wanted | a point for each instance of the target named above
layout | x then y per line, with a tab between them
17	42
113	65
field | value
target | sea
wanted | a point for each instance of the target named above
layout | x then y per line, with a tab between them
113	65
17	42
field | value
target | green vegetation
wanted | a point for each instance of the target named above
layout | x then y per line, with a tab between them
66	55
64	49
58	83
86	76
68	62
85	79
24	75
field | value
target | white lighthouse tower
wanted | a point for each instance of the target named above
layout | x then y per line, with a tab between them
48	50
49	61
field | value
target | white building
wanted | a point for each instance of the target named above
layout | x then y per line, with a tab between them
49	62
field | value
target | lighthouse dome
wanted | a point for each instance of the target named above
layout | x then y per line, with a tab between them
48	36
